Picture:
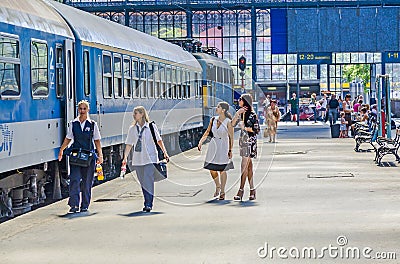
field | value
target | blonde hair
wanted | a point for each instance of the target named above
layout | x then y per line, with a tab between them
85	103
143	111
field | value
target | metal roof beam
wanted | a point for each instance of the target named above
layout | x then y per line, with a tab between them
161	5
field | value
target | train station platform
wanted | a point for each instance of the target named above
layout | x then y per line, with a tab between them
313	192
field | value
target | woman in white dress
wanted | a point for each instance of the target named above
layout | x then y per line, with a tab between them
219	150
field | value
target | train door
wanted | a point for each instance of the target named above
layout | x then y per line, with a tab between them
70	112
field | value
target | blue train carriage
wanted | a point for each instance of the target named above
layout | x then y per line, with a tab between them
33	37
119	68
217	84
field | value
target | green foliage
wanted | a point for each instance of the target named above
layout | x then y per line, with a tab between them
357	72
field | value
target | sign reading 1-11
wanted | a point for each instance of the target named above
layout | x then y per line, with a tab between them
391	56
314	58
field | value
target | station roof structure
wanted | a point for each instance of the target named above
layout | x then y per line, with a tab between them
189	5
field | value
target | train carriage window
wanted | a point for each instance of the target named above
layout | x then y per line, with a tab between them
135	78
59	72
10	83
143	79
169	84
226	76
117	76
174	84
187	85
157	88
107	76
195	84
150	78
192	83
39	69
210	93
220	76
86	73
178	82
183	84
199	85
184	92
162	81
127	78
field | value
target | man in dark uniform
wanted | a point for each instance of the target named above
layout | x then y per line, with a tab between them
333	107
293	107
80	130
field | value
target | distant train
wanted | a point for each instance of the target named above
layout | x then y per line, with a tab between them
51	58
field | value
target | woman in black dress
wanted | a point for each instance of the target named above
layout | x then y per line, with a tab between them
248	122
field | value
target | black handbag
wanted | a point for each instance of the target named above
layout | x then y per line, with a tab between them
161	167
81	157
161	171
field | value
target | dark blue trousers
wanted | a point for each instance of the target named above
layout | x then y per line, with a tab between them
81	180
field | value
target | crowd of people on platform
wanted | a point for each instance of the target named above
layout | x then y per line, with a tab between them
325	108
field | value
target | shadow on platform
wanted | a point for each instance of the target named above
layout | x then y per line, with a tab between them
219	202
76	215
140	213
244	203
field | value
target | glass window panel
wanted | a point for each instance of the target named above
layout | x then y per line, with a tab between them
9	48
39	66
278	72
135	69
86	73
9	79
9	69
59	72
117	77
107	77
127	77
292	72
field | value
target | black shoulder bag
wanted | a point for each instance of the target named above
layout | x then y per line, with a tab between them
161	173
82	157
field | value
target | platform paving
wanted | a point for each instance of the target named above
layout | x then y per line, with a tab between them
312	192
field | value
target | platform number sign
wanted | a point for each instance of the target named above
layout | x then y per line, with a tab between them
314	58
391	57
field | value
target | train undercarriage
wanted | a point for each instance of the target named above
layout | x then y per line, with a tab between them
27	188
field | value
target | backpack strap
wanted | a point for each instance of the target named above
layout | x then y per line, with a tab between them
153	134
210	127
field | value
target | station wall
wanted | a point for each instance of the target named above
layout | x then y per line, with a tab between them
366	29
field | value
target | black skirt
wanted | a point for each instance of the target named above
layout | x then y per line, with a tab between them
219	167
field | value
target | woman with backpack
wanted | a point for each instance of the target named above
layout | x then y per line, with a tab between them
145	153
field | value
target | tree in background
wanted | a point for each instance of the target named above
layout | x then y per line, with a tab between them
357	73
